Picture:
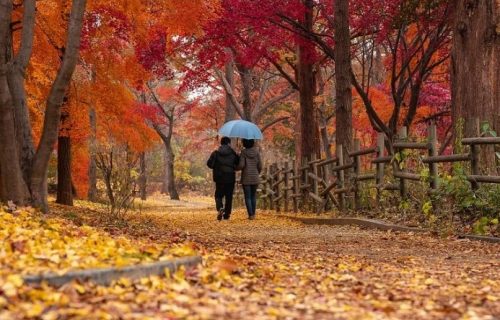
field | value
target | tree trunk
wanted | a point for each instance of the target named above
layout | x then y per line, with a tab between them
164	184
343	93
169	181
309	130
13	185
325	138
15	80
64	184
230	108
54	102
246	84
143	176
92	172
14	188
475	72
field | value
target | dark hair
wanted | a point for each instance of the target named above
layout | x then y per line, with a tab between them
248	143
225	140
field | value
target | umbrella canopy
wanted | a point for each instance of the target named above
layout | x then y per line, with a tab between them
240	129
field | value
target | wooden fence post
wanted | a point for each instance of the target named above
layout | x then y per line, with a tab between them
474	161
286	183
264	191
314	169
403	135
269	172
379	181
277	184
433	167
340	176
296	186
357	173
305	186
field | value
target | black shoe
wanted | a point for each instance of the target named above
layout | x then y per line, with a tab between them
251	217
220	214
226	217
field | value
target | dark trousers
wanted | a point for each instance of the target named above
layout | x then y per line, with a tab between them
250	192
224	190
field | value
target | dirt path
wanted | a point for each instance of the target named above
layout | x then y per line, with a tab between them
277	268
274	268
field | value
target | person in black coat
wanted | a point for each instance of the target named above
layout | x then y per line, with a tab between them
223	163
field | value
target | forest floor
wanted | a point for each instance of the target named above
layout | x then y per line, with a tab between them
274	268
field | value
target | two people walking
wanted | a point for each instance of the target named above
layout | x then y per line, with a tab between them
225	162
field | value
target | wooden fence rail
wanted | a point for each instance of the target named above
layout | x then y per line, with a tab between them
325	183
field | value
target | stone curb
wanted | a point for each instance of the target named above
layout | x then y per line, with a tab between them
104	276
381	225
369	223
479	238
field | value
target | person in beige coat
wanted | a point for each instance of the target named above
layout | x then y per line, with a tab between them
250	165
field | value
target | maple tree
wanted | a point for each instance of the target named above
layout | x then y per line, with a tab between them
163	107
17	178
245	39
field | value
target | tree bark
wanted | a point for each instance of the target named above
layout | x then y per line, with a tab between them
64	181
247	85
13	185
64	185
169	172
325	138
15	80
54	103
343	93
230	108
143	176
475	71
168	185
309	130
92	172
14	188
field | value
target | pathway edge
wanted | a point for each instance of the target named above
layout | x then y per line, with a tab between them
104	276
381	225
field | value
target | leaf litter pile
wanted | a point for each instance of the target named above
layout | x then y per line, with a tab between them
269	268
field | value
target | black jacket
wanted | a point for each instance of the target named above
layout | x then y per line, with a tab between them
223	162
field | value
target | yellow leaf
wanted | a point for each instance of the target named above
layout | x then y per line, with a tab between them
16	280
79	288
34	310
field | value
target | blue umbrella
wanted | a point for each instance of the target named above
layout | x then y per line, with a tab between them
240	129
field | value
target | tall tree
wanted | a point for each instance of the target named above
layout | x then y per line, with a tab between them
309	129
343	102
163	108
13	186
475	69
64	181
10	167
38	182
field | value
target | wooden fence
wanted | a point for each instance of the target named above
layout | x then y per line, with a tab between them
321	184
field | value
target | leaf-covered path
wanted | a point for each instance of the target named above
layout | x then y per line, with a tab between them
268	268
275	268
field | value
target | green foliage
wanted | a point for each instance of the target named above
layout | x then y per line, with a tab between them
486	130
185	174
484	224
480	207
